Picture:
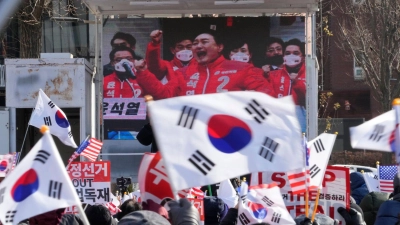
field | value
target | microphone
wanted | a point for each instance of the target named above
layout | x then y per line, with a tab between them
128	69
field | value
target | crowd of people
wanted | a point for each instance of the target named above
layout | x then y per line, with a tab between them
374	208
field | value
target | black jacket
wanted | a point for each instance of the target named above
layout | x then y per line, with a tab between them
146	137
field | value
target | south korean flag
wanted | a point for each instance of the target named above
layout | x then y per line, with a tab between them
206	139
37	185
264	204
48	113
375	134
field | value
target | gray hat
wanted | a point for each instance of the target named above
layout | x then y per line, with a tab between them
143	217
321	219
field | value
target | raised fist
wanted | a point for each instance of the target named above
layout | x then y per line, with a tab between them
140	65
156	36
266	69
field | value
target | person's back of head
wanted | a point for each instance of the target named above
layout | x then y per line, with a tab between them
128	207
70	219
214	210
356	180
48	218
143	217
99	215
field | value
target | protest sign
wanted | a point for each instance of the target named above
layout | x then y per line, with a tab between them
335	192
91	181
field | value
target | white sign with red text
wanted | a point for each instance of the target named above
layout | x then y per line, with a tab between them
335	193
91	181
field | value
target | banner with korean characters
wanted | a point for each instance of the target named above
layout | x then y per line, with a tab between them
335	193
91	181
124	108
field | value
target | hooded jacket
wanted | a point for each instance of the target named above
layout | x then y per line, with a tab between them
358	187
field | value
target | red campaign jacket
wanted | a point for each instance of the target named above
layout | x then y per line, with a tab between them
113	87
283	86
158	66
219	76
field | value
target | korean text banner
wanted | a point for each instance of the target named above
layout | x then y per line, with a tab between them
91	181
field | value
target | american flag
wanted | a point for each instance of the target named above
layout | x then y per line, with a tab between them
196	191
299	180
386	175
89	148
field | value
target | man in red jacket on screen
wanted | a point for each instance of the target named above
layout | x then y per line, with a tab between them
211	74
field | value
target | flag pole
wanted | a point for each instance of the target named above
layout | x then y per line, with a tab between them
315	205
396	107
306	177
23	142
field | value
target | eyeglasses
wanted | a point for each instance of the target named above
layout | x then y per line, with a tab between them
127	58
272	50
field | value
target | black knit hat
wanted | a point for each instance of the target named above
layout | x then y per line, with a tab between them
214	210
99	215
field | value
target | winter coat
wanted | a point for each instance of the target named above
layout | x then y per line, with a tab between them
370	205
358	187
389	211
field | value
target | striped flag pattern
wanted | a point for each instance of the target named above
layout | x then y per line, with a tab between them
196	191
89	148
299	180
386	175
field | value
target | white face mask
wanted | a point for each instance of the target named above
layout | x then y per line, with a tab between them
292	60
119	66
241	57
184	55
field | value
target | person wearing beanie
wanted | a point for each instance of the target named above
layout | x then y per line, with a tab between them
231	216
128	207
389	211
143	217
99	215
358	187
214	210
